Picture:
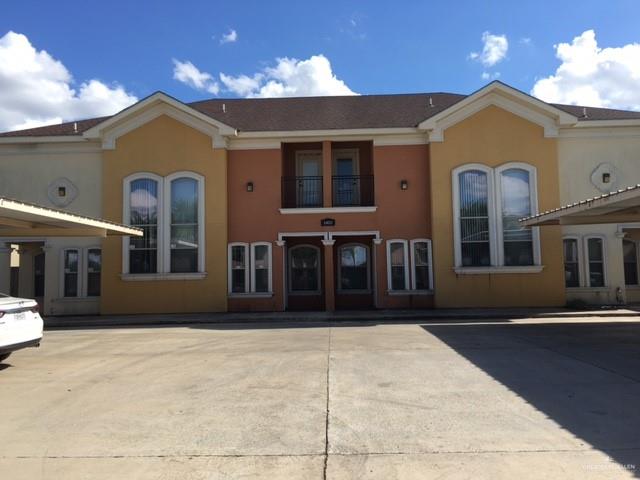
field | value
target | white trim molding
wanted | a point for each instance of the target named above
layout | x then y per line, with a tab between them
327	210
505	97
152	107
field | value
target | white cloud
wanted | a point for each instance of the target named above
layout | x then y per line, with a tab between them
494	49
594	76
36	89
490	75
230	37
188	73
290	77
525	41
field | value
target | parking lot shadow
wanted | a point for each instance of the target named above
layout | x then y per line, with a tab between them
584	377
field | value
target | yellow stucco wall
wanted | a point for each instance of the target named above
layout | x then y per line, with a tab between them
493	137
164	146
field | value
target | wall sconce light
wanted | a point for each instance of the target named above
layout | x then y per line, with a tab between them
62	191
606	177
404	185
249	186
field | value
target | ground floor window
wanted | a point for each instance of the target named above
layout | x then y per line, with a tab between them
304	269
353	273
409	265
595	262
250	267
630	255
571	262
82	270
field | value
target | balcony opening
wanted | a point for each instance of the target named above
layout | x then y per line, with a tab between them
352	174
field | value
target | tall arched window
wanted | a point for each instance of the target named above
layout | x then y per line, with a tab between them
144	205
515	202
353	273
488	204
170	211
304	269
474	189
184	225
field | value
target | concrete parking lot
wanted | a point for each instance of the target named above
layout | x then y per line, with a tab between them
524	399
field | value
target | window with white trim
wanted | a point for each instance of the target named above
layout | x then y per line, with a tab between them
630	256
81	272
571	250
238	267
487	205
596	275
397	265
94	271
71	265
184	225
421	265
170	211
144	205
261	267
249	267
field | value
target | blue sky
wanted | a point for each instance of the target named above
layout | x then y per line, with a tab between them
371	47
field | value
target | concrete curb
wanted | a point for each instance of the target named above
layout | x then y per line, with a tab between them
323	317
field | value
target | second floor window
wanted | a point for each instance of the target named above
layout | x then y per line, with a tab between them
488	203
170	211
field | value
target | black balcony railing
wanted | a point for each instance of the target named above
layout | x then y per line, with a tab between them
352	190
301	192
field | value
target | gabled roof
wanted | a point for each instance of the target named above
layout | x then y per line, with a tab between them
327	113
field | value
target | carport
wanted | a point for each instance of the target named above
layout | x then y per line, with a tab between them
28	224
621	207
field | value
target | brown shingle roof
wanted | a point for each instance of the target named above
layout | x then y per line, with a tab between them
324	113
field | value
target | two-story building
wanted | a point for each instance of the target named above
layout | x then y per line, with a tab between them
319	203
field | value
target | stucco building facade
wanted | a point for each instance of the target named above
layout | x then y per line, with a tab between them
390	201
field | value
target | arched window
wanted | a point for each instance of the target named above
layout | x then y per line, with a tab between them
170	211
515	202
304	269
488	204
143	205
353	273
184	233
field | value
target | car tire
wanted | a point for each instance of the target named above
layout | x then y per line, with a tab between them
4	356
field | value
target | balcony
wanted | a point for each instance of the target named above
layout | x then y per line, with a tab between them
301	192
347	191
352	190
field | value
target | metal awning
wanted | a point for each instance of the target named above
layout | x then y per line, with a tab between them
621	206
20	219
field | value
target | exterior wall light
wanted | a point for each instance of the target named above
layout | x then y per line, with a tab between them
249	186
606	177
404	185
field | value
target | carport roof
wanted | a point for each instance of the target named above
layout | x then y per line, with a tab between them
621	206
22	219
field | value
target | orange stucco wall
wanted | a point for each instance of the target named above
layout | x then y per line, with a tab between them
255	216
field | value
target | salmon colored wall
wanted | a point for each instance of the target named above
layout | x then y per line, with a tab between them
255	216
492	137
164	146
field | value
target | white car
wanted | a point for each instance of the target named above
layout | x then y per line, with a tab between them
20	325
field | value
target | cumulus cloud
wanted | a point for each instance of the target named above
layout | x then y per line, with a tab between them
494	49
230	37
594	76
189	74
290	77
36	89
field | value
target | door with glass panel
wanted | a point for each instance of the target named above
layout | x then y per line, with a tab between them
354	286
309	179
304	277
346	188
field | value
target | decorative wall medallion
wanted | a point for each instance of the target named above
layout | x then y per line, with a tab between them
62	192
605	178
